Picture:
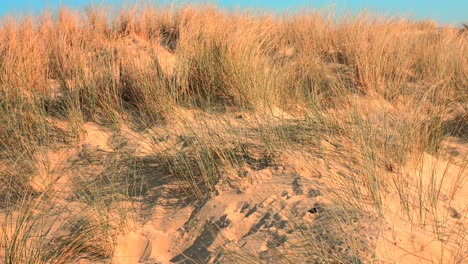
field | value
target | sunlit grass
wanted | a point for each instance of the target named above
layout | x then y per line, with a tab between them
373	98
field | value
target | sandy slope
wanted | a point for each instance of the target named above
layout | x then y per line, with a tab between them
268	208
264	211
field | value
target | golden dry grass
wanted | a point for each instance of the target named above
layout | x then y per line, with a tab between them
373	100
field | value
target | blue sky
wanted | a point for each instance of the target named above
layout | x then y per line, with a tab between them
445	12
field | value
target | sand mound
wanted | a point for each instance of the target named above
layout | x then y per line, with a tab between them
257	215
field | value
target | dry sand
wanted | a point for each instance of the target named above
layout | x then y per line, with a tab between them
268	209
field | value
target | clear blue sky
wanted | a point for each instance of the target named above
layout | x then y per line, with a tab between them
443	11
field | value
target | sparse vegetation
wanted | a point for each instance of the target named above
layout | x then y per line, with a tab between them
192	134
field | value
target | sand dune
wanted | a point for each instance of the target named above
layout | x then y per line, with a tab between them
196	135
